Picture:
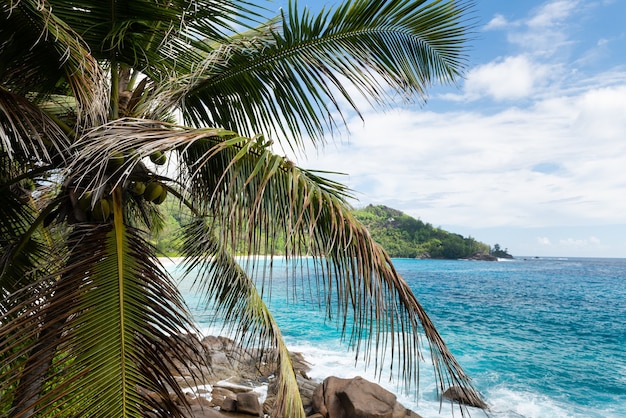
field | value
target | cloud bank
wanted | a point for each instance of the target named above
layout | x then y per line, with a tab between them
534	138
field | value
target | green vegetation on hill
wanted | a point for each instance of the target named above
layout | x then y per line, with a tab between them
404	236
400	235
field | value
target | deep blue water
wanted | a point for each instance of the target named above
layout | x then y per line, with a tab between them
539	337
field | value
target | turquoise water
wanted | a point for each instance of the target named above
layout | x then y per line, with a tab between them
540	337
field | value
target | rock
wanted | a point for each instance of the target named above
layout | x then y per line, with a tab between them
204	412
325	400
228	387
456	394
299	364
400	411
219	394
482	257
356	398
361	398
306	387
198	411
233	387
229	404
219	358
248	403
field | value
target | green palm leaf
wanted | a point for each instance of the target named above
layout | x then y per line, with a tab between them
259	197
283	86
40	49
230	291
117	309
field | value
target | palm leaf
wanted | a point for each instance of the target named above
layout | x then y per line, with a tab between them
155	38
284	86
259	196
230	291
40	49
110	317
25	131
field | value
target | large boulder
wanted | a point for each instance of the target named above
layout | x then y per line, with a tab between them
356	398
361	398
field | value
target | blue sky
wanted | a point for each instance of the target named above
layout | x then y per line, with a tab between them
528	151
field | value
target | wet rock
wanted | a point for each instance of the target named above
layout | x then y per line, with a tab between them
356	398
456	394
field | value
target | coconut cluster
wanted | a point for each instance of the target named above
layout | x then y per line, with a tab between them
154	191
100	210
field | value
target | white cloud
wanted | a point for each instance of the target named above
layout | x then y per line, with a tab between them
497	22
552	14
510	79
524	167
543	241
602	113
580	243
545	33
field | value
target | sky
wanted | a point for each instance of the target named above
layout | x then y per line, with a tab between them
528	150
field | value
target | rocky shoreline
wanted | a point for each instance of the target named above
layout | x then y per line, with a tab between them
238	382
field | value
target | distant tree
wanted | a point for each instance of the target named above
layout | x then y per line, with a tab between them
497	251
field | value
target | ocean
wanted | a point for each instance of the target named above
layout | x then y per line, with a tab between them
540	337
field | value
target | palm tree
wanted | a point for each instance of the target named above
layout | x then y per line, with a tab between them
96	96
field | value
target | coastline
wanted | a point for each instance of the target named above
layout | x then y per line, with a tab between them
231	377
242	380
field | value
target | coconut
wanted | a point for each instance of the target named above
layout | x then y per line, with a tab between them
137	187
161	197
158	158
116	160
153	191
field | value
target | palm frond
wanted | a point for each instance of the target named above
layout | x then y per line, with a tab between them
158	39
291	83
27	253
107	322
228	289
28	132
136	139
40	49
258	196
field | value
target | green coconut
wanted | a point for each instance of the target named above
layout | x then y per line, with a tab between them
158	158
137	187
101	210
116	160
153	191
161	197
